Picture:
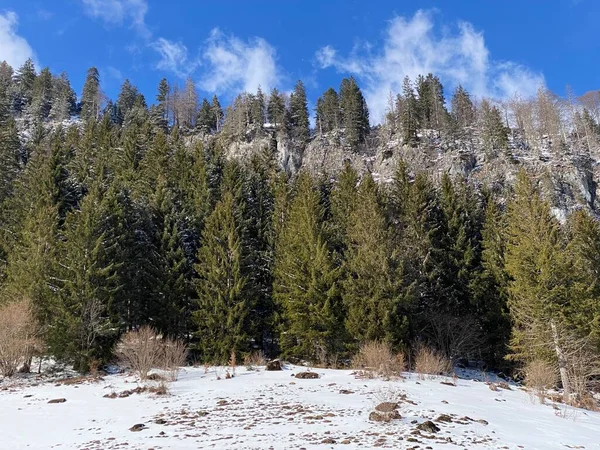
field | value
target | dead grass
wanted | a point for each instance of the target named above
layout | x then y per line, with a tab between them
18	336
431	362
377	359
540	376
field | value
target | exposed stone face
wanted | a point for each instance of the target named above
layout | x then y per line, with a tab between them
568	175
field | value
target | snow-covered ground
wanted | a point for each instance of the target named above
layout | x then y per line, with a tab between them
263	410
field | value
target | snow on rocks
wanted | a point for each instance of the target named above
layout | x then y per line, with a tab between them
265	409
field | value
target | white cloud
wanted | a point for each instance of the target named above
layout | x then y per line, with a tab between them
14	49
233	64
412	47
113	72
174	57
116	12
229	64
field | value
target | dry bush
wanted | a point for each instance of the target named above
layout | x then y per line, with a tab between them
456	337
141	350
160	389
377	359
18	336
540	376
255	359
583	366
232	362
431	362
174	355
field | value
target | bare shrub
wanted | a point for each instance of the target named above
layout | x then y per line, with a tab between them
583	366
377	359
160	389
174	356
540	376
456	337
18	336
255	359
141	350
233	362
431	362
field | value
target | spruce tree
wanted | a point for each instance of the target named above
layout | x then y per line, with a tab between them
206	121
24	80
342	203
463	111
541	280
305	279
276	110
354	113
372	289
490	286
328	112
222	315
42	98
217	113
91	96
299	124
494	132
408	113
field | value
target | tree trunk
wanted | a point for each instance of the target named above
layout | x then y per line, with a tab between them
562	363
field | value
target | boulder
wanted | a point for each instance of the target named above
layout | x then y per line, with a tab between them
274	365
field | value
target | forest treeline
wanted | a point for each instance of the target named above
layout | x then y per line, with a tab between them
120	220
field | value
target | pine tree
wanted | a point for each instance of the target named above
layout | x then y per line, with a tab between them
91	96
258	109
276	110
463	111
490	286
328	111
540	274
217	113
494	133
64	98
24	80
223	310
42	98
126	101
584	250
83	329
299	124
342	203
305	280
354	112
431	107
372	289
408	113
206	121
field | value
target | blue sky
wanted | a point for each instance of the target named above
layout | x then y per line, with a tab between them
494	48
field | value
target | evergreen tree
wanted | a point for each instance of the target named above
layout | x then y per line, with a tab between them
276	110
206	121
83	329
354	112
463	111
217	113
126	101
431	107
490	286
223	311
328	111
373	291
541	278
91	96
342	203
494	133
305	280
299	124
64	98
24	81
42	98
408	113
258	109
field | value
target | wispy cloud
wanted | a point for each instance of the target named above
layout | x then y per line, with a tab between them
118	12
228	64
174	57
233	64
114	73
14	49
412	47
44	14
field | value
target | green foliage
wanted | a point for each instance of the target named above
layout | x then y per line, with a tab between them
305	280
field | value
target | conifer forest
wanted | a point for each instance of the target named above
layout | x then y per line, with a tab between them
120	213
